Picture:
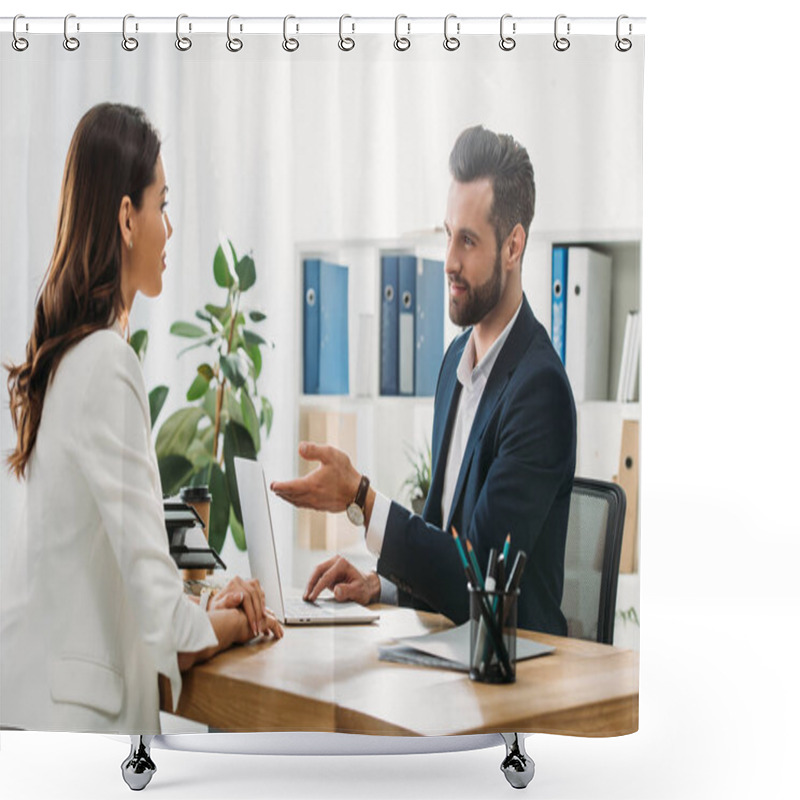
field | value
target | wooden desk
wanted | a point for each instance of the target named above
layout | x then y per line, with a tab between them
329	678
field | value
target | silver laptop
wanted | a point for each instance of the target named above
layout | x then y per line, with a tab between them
254	497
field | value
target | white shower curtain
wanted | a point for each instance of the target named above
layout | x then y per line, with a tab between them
322	151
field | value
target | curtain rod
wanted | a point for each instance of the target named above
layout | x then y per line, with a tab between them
347	25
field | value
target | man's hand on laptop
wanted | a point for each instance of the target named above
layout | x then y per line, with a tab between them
345	581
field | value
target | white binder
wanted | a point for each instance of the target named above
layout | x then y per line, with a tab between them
588	323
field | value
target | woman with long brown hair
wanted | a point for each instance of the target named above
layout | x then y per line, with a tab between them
100	609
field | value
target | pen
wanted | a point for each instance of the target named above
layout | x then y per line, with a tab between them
506	546
513	580
473	579
474	561
516	572
483	644
500	581
490	567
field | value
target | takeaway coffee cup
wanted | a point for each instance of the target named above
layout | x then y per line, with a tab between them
199	498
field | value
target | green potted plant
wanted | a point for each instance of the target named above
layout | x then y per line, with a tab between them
419	481
196	445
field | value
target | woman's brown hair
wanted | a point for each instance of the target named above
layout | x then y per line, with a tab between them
113	153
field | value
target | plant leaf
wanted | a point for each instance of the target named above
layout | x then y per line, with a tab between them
233	408
175	471
233	253
198	388
209	406
250	417
206	436
266	414
157	397
206	371
237	531
254	353
177	432
221	313
220	508
139	343
187	329
204	316
208	341
199	454
222	273
238	442
252	338
246	270
232	369
257	316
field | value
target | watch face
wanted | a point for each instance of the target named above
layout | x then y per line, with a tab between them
355	514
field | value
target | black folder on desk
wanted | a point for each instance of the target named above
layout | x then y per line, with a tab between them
187	543
449	649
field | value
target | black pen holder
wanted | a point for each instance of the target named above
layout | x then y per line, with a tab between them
493	635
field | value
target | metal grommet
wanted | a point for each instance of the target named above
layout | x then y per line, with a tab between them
233	44
451	42
623	44
70	42
346	43
290	44
561	43
401	43
183	43
128	42
18	43
507	42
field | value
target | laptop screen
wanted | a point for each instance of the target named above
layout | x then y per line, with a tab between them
261	552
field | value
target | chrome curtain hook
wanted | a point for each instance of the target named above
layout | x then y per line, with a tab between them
401	43
623	45
561	43
346	43
290	44
507	42
70	42
18	42
451	42
183	43
128	42
234	45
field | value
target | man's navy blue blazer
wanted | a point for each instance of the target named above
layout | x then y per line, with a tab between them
516	477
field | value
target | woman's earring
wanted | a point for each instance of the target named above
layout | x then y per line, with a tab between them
130	244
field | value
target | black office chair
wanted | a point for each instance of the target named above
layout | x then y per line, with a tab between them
591	563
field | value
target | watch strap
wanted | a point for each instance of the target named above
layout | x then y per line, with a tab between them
361	495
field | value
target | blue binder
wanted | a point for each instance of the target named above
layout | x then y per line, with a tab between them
311	326
389	323
325	337
429	325
407	287
558	324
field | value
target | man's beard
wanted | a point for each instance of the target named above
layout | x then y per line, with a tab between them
478	301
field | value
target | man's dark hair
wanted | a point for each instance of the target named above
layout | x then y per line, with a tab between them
480	153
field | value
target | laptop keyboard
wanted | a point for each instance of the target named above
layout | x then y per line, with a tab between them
295	607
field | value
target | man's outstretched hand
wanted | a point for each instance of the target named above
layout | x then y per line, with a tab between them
330	487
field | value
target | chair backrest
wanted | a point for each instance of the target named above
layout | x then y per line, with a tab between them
591	563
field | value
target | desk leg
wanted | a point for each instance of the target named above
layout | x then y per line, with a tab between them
518	766
138	768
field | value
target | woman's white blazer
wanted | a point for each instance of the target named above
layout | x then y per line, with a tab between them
97	609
